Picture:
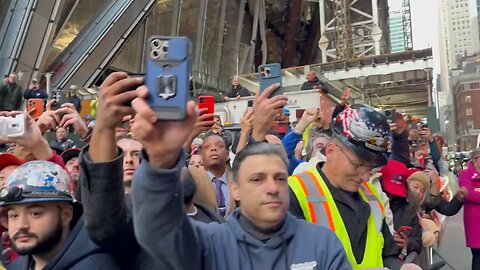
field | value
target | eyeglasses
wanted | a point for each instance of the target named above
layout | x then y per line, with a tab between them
362	168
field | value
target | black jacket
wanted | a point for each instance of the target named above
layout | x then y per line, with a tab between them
77	101
77	253
11	97
404	214
309	85
59	147
239	91
355	221
443	207
108	212
31	93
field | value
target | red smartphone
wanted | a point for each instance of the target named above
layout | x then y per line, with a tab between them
299	113
407	230
35	107
207	102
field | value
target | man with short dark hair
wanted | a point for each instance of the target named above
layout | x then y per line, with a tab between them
215	155
34	91
131	159
62	142
259	235
44	221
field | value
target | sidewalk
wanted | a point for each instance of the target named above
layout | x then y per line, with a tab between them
453	247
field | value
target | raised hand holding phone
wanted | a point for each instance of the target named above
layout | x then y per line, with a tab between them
265	110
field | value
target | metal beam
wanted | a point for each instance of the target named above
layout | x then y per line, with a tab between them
311	45
220	38
199	42
238	33
294	11
262	19
253	39
177	9
89	54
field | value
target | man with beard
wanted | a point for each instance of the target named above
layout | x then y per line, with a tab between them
44	221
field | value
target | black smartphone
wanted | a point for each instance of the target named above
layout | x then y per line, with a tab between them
61	97
391	115
250	103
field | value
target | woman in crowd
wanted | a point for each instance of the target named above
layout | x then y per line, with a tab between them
470	179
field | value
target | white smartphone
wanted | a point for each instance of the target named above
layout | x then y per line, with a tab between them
12	126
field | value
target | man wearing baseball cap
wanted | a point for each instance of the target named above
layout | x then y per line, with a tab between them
70	158
336	193
45	223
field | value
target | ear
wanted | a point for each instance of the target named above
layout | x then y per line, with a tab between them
66	214
329	151
234	190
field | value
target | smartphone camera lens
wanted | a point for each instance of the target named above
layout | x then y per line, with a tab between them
202	100
154	54
165	48
155	43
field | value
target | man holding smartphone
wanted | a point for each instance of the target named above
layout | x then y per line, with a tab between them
260	234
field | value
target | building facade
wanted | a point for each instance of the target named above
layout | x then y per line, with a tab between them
397	33
456	34
467	103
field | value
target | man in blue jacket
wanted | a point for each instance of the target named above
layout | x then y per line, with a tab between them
45	223
258	235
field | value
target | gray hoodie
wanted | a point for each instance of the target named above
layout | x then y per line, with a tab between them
159	214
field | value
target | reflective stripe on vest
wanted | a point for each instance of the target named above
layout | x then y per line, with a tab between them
319	207
378	210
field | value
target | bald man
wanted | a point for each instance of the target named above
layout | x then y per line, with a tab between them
11	94
237	91
314	83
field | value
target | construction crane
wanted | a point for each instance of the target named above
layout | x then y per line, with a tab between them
407	25
343	29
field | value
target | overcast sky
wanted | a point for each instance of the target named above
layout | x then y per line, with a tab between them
425	18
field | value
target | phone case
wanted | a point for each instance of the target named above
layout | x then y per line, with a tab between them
12	126
168	76
270	74
206	102
61	96
35	107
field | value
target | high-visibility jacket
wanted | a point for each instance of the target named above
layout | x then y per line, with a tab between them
318	206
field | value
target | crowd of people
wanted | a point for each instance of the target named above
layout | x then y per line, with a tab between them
342	188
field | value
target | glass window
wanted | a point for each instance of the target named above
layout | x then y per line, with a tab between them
468	99
470	124
468	111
